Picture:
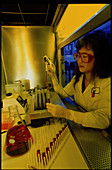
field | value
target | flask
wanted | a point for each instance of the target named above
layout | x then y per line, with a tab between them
18	138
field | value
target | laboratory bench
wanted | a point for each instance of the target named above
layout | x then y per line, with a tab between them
78	147
94	144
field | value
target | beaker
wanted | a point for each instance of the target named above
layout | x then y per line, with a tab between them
18	135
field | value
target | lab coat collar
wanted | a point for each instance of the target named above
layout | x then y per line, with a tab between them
89	87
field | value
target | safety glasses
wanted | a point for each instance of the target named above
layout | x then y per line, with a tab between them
86	58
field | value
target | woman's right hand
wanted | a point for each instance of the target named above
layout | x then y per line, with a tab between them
51	70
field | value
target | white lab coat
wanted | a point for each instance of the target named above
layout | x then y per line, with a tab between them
98	105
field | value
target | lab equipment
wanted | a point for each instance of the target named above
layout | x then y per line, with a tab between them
47	140
40	98
18	135
15	88
47	61
11	99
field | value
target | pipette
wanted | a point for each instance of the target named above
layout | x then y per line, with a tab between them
47	61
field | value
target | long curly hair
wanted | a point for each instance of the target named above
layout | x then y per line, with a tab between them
98	42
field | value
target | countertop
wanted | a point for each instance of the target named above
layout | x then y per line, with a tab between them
84	147
67	155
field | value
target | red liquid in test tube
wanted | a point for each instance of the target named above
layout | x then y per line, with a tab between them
38	156
48	153
48	100
44	159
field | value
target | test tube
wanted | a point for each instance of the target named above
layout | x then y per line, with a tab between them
32	158
36	163
38	147
43	97
40	99
44	159
29	162
49	138
52	132
58	129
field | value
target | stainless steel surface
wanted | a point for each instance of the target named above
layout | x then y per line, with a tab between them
23	49
94	146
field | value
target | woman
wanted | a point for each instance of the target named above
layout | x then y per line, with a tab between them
91	86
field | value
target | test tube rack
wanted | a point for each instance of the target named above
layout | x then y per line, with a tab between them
43	158
41	98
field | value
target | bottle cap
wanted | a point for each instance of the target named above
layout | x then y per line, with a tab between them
8	94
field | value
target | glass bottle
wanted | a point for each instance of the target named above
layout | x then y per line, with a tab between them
18	138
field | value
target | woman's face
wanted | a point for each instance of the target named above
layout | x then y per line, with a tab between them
86	67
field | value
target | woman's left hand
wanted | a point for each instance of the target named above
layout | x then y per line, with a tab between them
58	111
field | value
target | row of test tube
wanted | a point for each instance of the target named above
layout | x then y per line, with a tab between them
46	140
41	97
